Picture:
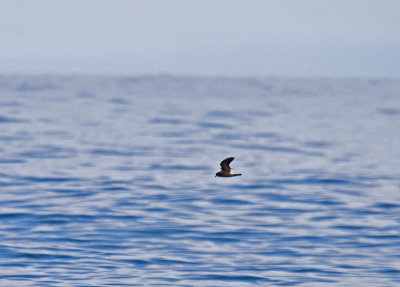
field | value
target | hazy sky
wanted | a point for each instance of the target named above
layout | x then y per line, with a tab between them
204	37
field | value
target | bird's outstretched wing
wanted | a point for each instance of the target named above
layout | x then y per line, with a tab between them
225	164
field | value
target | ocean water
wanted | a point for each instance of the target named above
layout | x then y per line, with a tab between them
110	181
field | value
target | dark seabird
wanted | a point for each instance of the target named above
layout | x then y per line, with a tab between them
226	169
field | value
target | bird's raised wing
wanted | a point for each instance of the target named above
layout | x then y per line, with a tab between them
225	164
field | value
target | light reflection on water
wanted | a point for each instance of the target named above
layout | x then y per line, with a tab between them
110	181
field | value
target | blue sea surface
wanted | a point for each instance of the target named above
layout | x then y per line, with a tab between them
109	181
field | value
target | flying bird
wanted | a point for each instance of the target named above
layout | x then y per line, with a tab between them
226	169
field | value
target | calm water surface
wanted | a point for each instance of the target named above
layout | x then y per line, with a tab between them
110	182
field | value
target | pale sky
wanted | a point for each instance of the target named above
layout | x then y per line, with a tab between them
205	37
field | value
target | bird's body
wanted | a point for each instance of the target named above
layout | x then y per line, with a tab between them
226	169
